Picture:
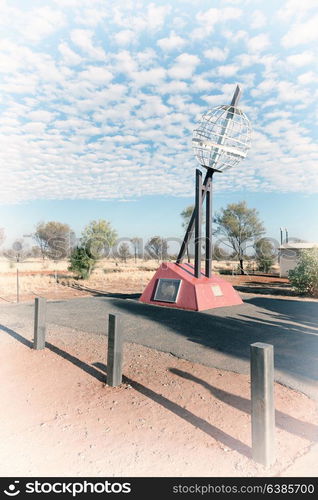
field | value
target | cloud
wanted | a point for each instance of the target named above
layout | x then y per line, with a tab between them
210	18
184	66
173	42
83	39
258	19
96	74
70	57
216	54
41	22
294	9
301	59
125	63
307	78
149	77
301	33
104	97
227	70
125	37
258	43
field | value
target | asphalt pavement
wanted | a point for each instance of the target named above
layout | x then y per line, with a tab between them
220	337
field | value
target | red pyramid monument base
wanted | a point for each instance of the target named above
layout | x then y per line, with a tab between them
195	294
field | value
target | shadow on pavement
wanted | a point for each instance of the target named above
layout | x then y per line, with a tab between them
289	325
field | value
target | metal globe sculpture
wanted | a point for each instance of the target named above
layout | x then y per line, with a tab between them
222	138
220	141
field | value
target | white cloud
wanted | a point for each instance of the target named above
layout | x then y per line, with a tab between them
290	92
146	58
227	70
199	83
184	67
301	33
235	36
125	37
125	63
90	16
150	18
83	39
96	74
258	19
149	77
40	23
258	43
307	78
88	115
173	42
156	15
216	54
210	18
301	59
70	57
41	115
172	87
294	9
214	100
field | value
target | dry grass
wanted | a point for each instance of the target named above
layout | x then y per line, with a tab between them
37	277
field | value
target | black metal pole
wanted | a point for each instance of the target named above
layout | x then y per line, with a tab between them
190	227
208	227
198	223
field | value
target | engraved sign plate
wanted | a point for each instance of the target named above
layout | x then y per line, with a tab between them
216	289
167	290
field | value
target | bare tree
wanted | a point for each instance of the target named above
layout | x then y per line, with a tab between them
53	239
157	248
137	243
124	252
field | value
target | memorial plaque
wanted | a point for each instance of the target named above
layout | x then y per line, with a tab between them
167	290
216	289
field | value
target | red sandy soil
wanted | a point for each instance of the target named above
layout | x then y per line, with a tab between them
170	417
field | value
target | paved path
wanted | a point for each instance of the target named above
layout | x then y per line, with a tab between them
219	337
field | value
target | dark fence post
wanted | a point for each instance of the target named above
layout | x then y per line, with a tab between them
262	399
115	351
39	323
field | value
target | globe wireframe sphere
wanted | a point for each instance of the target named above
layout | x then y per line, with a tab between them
222	138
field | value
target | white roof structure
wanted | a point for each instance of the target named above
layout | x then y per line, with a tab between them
300	245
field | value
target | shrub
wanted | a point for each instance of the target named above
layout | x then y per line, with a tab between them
81	263
265	254
304	278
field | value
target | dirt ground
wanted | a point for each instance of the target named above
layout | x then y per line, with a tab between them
170	417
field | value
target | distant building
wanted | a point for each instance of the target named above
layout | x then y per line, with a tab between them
288	256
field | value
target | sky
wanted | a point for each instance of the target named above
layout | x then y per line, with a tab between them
99	100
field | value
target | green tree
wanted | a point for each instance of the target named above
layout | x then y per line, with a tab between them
157	248
98	237
304	278
265	254
237	225
81	262
53	239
